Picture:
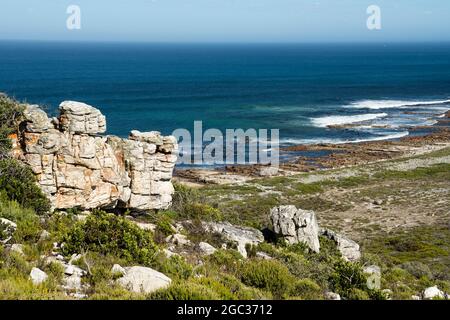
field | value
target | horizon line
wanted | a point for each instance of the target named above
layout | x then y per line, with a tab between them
375	42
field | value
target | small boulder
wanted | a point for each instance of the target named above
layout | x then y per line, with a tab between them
17	248
9	228
263	255
433	293
206	248
178	239
143	280
373	269
268	171
170	253
45	235
332	296
38	276
241	236
74	270
117	269
296	225
72	283
347	247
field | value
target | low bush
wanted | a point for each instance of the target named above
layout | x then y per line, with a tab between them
28	223
19	184
175	267
185	291
346	277
307	289
111	235
268	275
229	261
349	280
10	114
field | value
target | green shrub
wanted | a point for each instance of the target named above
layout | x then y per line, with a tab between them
185	291
307	289
268	275
28	223
183	195
357	294
175	267
346	277
241	291
164	225
10	114
226	260
111	235
188	203
19	183
202	211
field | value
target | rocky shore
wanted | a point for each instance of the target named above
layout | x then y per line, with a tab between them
332	156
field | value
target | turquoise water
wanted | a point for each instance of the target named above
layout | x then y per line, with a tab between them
299	89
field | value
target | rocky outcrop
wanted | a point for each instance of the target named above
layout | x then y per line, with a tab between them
143	280
240	236
296	225
77	167
347	247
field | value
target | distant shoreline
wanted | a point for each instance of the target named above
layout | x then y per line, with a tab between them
313	157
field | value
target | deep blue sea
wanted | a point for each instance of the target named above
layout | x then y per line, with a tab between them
299	89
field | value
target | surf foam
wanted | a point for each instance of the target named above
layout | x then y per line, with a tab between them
389	104
341	120
397	135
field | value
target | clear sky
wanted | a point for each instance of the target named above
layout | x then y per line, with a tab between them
226	20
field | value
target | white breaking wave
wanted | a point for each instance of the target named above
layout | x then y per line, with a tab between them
339	141
340	120
389	104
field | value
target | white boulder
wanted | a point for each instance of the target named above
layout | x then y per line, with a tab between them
38	276
143	280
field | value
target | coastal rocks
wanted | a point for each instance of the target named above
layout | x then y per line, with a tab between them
241	236
347	247
143	280
433	293
75	167
38	276
8	228
296	225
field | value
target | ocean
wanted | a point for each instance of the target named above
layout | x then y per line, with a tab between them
379	89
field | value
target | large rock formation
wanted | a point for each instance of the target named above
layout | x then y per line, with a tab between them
77	167
296	225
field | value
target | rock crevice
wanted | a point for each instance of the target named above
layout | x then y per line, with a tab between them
78	167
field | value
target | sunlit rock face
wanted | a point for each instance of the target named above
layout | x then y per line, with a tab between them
78	167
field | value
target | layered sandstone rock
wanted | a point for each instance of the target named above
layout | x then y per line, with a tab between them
77	167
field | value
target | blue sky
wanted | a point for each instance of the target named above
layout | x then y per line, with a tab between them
226	20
